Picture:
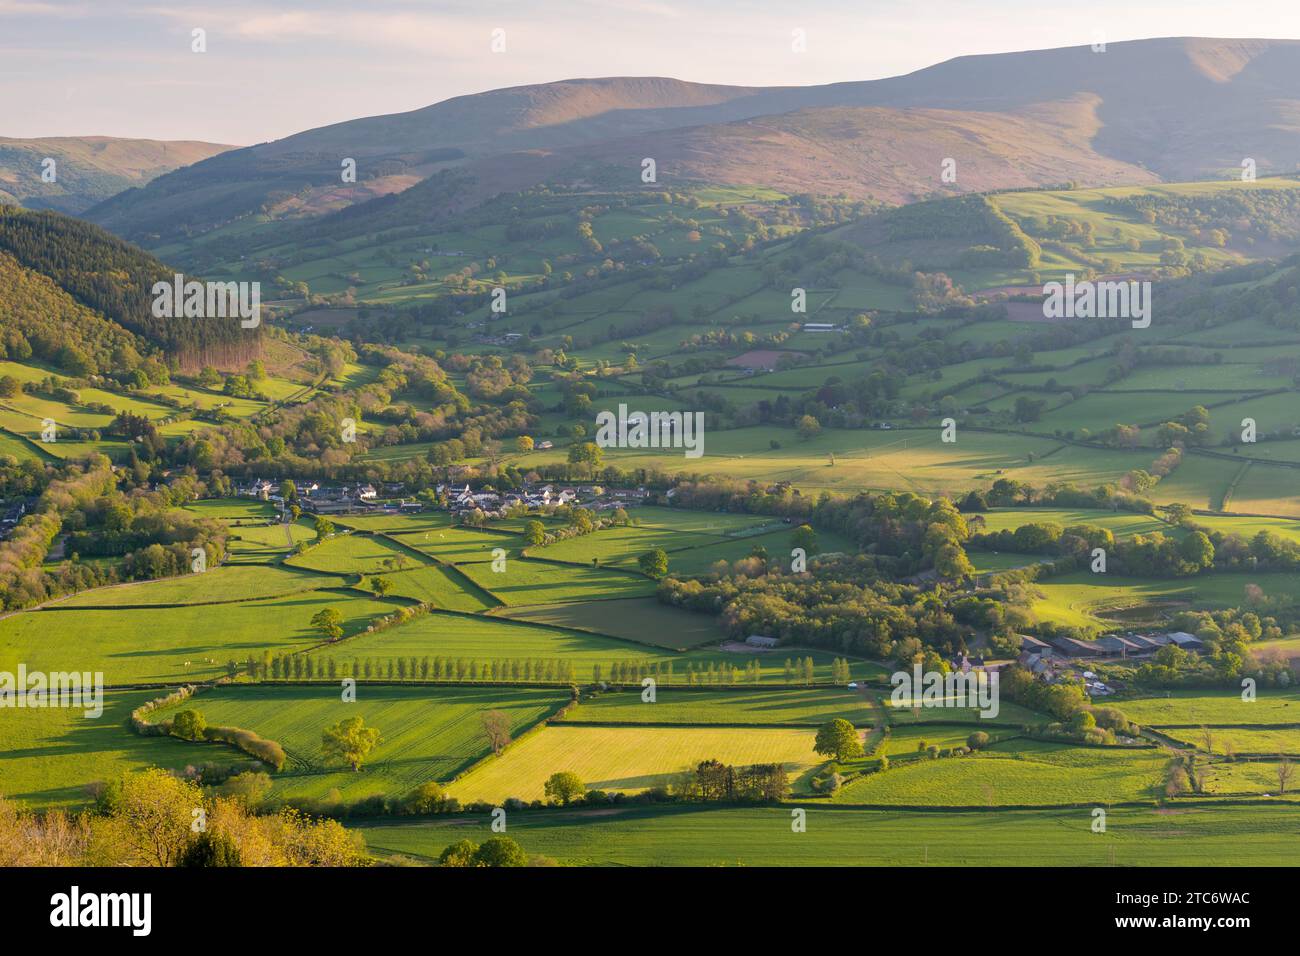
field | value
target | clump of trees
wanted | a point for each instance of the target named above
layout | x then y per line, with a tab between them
497	851
146	818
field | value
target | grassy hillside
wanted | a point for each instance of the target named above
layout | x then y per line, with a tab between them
1043	117
88	169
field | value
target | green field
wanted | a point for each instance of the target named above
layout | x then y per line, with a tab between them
230	584
1078	597
484	639
459	545
354	554
1029	775
643	620
427	734
845	836
803	708
1184	708
524	582
166	645
50	757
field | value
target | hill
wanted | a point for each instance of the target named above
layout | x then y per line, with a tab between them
103	285
88	169
1034	118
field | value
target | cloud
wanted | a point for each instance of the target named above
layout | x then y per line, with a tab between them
33	8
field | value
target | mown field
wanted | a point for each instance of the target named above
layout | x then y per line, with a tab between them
804	707
628	759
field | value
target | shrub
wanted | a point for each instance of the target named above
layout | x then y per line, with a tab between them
188	725
267	751
428	797
211	849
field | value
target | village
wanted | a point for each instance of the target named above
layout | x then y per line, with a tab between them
392	498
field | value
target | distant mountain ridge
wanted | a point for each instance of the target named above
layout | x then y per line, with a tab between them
1141	111
88	169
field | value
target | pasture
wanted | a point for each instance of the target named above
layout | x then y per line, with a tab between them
427	733
525	581
1080	597
221	585
354	554
484	638
1022	774
161	645
50	757
643	620
1194	708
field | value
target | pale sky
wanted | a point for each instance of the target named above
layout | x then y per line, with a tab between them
125	67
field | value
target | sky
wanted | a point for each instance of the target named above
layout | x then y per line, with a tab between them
128	68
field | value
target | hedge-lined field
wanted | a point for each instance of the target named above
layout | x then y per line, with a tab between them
644	620
50	757
534	582
628	759
427	733
152	645
802	707
230	583
1213	707
1023	774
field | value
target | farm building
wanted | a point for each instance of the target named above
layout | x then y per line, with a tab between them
1120	645
1188	642
1072	647
758	640
1147	645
